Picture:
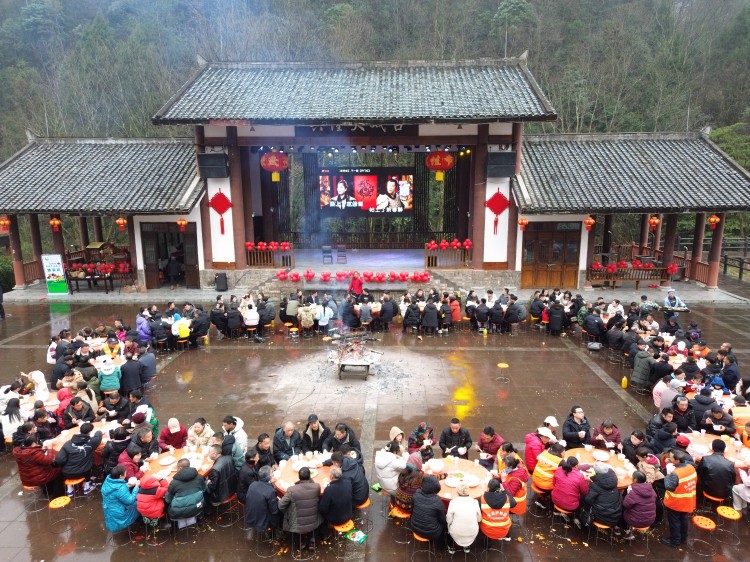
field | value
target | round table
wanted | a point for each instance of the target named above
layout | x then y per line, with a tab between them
464	467
700	445
622	467
286	476
198	460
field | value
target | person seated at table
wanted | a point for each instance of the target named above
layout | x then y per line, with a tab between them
365	310
112	347
514	314
11	418
702	403
115	408
411	316
109	376
185	493
198	327
514	481
336	503
546	464
60	370
658	421
248	473
649	464
430	317
251	317
77	413
262	504
221	482
117	444
144	440
421	441
718	422
218	318
20	434
89	396
665	437
615	307
508	450
229	447
536	443
482	314
64	396
199	433
37	467
496	317
315	434
342	435
462	518
639	507
83	359
142	323
174	436
428	518
233	425
150	497
489	443
388	466
717	387
603	498
730	372
300	508
349	316
495	507
444	316
132	460
568	487
671	326
45	427
323	316
286	442
352	471
576	429
234	319
76	457
716	473
660	387
740	412
119	500
265	453
455	440
607	436
676	388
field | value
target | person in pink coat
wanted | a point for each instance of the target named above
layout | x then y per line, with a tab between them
569	485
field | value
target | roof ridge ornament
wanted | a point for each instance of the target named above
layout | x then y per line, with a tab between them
31	136
201	60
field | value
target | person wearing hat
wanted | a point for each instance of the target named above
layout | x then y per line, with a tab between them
550	422
143	325
409	481
536	443
700	348
314	434
174	436
109	376
463	518
428	514
718	422
112	347
139	421
672	326
672	301
716	472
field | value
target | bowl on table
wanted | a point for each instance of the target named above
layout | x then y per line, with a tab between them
602	456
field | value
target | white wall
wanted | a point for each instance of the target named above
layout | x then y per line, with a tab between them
222	245
496	245
244	130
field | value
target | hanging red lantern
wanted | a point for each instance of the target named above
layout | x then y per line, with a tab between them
274	162
653	222
522	222
4	223
121	222
439	162
55	223
589	222
713	220
182	223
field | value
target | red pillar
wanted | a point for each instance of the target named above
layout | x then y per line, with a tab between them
36	240
83	232
714	254
607	237
132	247
479	185
98	231
698	234
15	251
643	243
669	240
57	239
237	198
657	234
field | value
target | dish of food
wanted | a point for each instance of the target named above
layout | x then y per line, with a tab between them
166	461
313	473
600	455
471	481
436	465
457	475
452	482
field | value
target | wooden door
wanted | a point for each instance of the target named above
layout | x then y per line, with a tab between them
550	255
190	246
150	246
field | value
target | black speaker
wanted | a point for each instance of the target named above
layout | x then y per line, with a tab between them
213	165
501	164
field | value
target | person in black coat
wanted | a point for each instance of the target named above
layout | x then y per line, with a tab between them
684	416
593	324
513	314
428	513
234	319
248	474
352	470
665	438
261	503
120	439
144	439
430	317
222	479
576	429
716	473
411	316
536	308
315	434
388	311
342	435
482	313
336	504
132	374
496	316
115	408
348	314
615	337
636	440
160	330
603	496
455	440
557	319
702	403
218	318
286	442
265	455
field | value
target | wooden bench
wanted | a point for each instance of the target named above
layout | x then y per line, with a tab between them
654	275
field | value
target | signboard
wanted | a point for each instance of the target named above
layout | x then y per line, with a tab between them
54	274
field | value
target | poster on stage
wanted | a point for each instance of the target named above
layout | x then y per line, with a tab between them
54	274
359	192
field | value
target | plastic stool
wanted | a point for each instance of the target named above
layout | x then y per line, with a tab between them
235	333
230	514
488	547
703	546
265	543
77	484
341	530
297	552
294	334
153	527
188	531
421	541
727	517
402	519
35	499
638	548
268	328
181	345
465	324
113	540
251	331
534	509
62	508
557	511
601	527
288	326
363	520
709	503
161	346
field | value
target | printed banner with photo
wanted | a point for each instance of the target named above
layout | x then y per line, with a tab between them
354	192
54	274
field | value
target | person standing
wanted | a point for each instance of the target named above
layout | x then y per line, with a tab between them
679	499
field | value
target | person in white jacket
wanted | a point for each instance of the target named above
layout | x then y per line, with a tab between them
741	492
463	518
388	465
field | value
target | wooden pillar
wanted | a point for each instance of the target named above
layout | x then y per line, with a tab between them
592	240
83	231
36	239
512	208
698	234
479	187
643	243
714	254
607	236
208	262
657	234
15	252
237	198
58	240
132	247
669	240
98	231
247	195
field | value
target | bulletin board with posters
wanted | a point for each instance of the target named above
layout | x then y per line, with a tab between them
363	191
54	274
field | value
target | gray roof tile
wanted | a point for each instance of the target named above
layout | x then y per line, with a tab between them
385	92
95	176
628	173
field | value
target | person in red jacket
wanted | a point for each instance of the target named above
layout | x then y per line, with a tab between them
569	485
455	310
488	445
150	498
36	466
174	436
607	436
130	458
355	285
535	444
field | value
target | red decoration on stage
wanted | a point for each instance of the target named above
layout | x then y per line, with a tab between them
262	246
597	266
380	277
432	246
309	275
468	244
622	264
439	162
221	204
294	277
636	264
671	269
273	246
285	246
249	246
498	204
403	276
325	276
612	268
281	275
443	244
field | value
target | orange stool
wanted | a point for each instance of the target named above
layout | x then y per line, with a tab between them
288	325
638	548
600	528
35	499
710	503
703	545
294	334
465	324
535	509
77	484
251	330
728	517
402	519
422	541
565	515
363	520
62	515
181	345
228	512
341	530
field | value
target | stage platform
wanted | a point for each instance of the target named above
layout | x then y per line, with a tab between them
361	260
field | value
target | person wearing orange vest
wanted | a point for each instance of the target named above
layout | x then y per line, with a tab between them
546	465
744	435
679	499
740	411
496	504
514	479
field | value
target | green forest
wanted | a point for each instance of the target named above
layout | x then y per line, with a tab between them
104	67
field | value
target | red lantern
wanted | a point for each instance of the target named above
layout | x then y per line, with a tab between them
439	162
713	220
522	222
121	222
274	162
4	222
671	269
589	222
653	222
182	223
55	223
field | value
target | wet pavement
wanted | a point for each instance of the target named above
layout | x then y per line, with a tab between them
510	383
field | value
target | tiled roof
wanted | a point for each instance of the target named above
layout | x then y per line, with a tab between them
101	176
477	91
628	173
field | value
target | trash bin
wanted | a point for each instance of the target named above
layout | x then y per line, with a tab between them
221	282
